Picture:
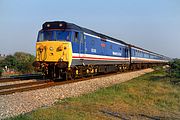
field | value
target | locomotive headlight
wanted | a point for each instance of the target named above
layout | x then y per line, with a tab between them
60	48
51	48
40	48
48	25
60	25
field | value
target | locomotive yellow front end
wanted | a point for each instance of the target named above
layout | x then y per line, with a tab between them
53	57
53	51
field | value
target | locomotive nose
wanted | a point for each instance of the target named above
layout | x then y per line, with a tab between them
41	47
54	51
60	48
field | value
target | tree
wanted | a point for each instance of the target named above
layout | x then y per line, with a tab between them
24	62
9	61
20	61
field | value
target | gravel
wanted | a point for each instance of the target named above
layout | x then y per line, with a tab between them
19	103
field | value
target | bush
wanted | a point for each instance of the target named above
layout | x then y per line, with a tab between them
1	71
175	68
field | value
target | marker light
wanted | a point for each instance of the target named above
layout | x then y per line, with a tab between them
41	48
60	25
60	48
48	25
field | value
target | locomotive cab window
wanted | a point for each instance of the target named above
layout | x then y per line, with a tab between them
62	35
53	35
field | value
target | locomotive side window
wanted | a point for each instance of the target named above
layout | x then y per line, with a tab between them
84	36
81	38
76	37
110	46
40	37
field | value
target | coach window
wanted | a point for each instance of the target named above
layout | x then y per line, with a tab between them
142	54
137	53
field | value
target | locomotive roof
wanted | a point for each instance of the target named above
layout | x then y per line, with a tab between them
66	25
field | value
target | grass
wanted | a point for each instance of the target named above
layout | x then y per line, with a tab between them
149	95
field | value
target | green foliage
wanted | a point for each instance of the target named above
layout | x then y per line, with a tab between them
20	61
9	61
175	68
1	71
25	61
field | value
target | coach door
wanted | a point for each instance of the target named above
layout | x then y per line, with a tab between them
81	45
126	52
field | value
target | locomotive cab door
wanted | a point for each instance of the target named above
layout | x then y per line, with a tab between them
78	44
81	45
75	42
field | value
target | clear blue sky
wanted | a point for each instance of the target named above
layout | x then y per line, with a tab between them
151	24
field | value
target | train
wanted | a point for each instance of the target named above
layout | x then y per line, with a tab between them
66	50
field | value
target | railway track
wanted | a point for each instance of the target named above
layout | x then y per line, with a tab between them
5	90
3	80
20	78
11	86
40	84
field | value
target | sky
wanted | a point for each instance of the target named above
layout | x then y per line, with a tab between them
151	24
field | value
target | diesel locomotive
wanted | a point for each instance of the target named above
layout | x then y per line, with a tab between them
65	50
